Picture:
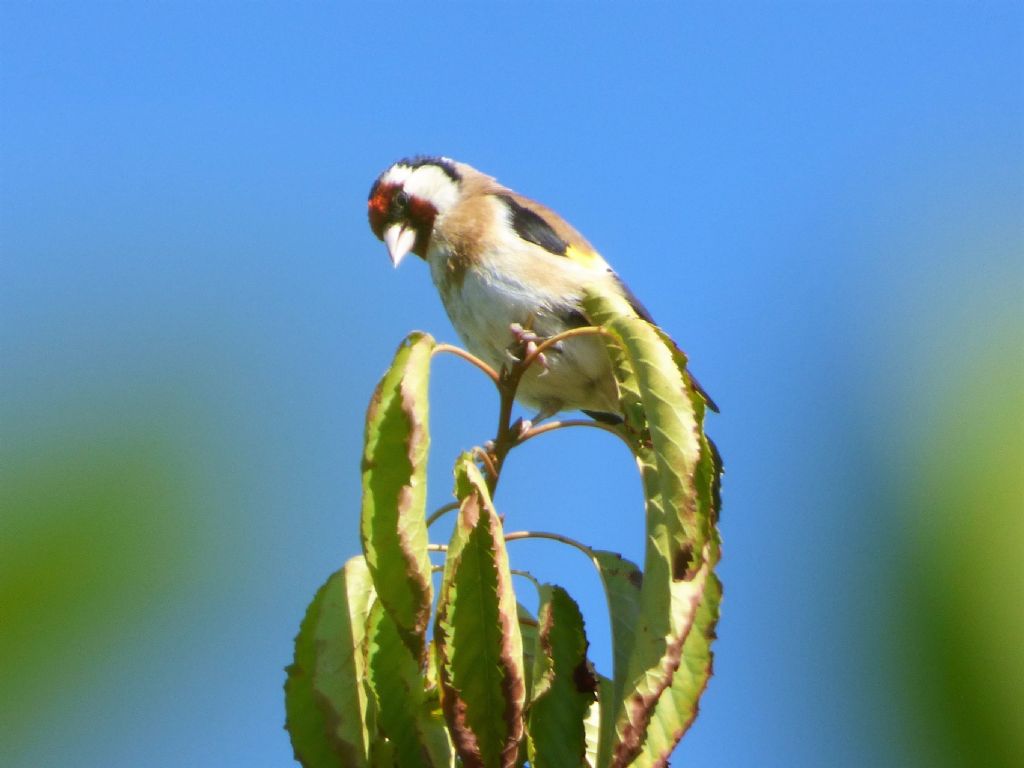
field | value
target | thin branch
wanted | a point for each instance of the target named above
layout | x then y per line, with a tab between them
518	535
551	426
441	511
507	381
470	358
492	468
550	341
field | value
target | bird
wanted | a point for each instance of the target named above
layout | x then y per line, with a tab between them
508	269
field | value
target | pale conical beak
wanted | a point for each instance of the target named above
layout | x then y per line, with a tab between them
399	241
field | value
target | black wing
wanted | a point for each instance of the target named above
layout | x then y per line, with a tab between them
531	227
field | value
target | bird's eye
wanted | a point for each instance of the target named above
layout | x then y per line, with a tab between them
400	201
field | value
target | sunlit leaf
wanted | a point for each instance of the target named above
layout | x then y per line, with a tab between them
677	707
326	706
477	630
393	525
669	447
564	684
395	680
593	723
528	631
622	580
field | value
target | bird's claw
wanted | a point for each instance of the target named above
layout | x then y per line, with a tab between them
521	427
522	335
530	351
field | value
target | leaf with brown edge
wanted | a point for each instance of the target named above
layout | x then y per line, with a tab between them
434	729
304	720
393	526
643	691
477	630
564	684
671	422
708	474
325	701
672	456
677	707
394	678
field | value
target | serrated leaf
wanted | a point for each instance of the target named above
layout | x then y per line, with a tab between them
394	679
324	699
304	720
564	684
671	452
393	525
477	631
671	422
438	742
677	707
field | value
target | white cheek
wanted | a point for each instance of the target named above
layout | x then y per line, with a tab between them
432	184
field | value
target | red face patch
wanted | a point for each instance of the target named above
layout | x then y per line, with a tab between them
388	206
380	203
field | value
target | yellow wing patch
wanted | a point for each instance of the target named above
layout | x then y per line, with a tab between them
587	257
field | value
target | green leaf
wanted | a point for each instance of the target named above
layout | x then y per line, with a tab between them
395	680
564	684
528	630
677	707
677	473
477	631
622	580
325	703
433	727
672	425
593	724
393	524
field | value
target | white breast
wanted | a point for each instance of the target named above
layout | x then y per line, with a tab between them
538	291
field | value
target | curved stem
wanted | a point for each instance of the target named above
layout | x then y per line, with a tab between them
507	382
492	467
517	535
550	341
441	511
551	426
470	358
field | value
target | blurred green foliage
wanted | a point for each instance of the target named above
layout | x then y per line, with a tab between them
959	585
95	537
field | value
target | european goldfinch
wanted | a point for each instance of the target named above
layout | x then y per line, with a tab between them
503	263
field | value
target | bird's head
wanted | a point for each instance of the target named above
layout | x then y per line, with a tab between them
406	199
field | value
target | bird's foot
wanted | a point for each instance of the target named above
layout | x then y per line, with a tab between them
525	347
540	359
521	427
521	334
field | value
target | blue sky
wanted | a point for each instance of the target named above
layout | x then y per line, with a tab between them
821	202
